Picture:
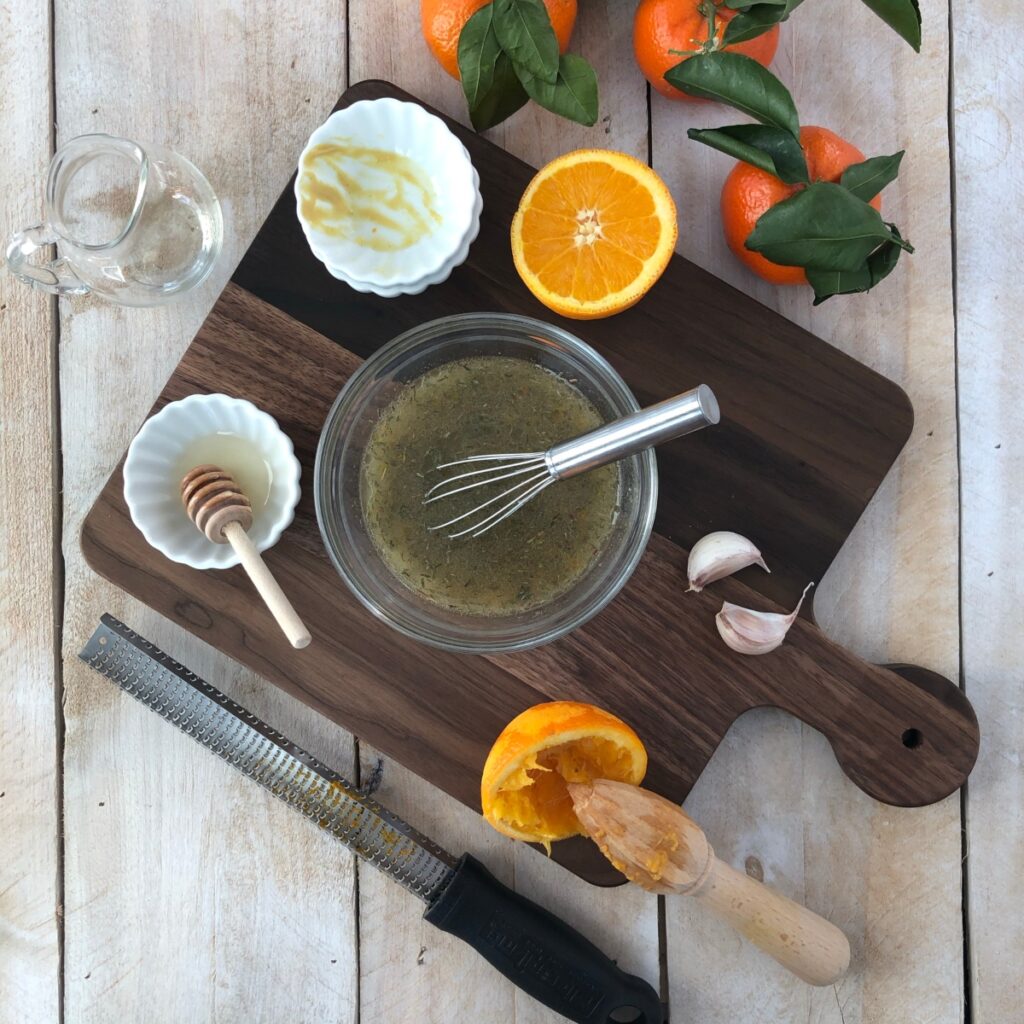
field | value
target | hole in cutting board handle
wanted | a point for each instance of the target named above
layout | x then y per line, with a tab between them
912	738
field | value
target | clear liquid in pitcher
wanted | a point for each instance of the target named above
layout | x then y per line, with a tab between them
134	225
154	222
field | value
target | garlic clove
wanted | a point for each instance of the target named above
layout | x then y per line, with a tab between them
718	555
751	632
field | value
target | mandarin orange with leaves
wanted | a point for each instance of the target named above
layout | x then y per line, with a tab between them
443	20
749	192
664	31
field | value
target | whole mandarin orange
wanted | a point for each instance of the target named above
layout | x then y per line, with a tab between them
443	21
662	26
749	192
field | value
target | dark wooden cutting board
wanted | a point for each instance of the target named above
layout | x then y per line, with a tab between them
806	437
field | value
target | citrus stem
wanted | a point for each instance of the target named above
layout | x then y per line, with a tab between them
708	9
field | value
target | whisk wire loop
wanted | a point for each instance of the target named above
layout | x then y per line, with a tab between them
506	510
529	483
528	464
616	440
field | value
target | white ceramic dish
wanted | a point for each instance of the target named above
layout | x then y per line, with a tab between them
152	476
407	129
415	287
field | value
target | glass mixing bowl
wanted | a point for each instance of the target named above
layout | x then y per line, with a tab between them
352	419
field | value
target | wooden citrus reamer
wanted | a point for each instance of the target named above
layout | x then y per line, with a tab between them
220	509
654	843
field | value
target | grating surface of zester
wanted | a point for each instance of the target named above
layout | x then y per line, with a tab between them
221	725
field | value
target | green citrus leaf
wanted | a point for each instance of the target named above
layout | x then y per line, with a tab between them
865	180
875	268
904	16
753	23
823	226
755	18
478	53
502	99
740	82
524	31
771	149
573	94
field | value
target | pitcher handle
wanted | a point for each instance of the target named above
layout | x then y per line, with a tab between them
56	277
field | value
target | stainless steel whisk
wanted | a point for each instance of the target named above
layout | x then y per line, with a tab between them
533	471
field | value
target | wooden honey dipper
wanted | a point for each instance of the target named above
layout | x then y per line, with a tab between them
654	843
223	513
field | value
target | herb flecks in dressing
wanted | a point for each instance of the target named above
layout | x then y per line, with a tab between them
482	405
374	198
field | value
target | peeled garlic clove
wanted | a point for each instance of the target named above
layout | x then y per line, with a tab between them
750	632
720	554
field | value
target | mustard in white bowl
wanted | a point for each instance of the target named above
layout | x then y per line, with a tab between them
385	193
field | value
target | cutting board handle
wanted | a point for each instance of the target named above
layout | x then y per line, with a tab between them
904	734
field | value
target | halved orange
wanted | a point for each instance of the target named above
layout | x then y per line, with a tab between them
594	230
523	785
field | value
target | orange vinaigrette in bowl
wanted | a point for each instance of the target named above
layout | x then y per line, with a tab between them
480	404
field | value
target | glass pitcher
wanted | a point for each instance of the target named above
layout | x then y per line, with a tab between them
136	225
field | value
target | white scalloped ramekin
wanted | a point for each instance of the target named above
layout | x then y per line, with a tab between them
404	128
152	478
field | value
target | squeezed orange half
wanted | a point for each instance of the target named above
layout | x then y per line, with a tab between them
523	788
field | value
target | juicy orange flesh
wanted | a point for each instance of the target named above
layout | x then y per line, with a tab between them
588	231
534	798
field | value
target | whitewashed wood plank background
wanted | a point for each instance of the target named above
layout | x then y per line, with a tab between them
988	110
30	874
190	896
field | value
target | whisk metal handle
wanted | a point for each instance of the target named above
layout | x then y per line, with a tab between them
635	432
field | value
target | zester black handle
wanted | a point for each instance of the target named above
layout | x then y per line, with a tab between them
538	951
